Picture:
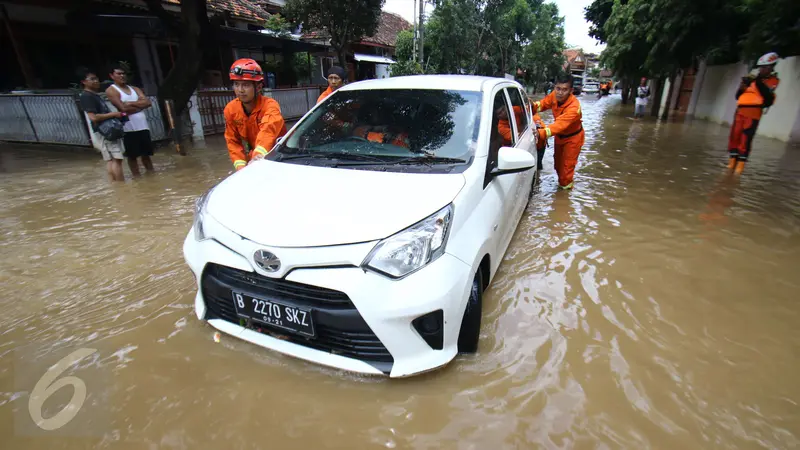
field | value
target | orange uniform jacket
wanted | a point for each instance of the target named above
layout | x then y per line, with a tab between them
504	126
750	102
568	117
260	129
325	94
568	130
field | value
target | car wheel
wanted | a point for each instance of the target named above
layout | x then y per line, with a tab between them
471	324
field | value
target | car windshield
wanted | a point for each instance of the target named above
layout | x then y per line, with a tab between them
394	126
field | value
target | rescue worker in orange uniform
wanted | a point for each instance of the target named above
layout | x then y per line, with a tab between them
567	128
754	94
504	126
377	125
335	79
251	117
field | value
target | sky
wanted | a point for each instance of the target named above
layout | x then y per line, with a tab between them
576	29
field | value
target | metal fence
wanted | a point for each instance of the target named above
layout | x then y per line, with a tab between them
294	103
53	119
57	119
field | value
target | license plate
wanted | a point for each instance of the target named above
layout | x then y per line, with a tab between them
276	314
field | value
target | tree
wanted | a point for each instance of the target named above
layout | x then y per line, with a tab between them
344	20
774	27
197	36
642	37
278	26
404	53
542	57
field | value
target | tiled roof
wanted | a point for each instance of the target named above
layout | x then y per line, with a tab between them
246	10
389	26
571	54
386	34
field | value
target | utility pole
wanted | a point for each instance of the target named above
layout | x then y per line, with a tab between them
421	38
414	42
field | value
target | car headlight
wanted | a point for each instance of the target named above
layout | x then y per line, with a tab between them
413	248
199	213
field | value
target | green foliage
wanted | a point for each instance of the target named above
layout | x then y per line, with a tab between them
657	37
301	67
404	46
344	20
278	26
492	37
406	67
774	27
542	57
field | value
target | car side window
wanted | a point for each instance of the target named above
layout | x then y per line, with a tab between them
502	134
528	106
518	108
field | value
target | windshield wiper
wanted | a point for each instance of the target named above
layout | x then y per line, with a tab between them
428	160
331	155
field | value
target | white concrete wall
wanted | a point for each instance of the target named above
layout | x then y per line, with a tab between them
716	100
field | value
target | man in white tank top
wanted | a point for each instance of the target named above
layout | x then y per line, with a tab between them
131	100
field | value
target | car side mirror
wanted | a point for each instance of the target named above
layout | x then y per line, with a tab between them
513	160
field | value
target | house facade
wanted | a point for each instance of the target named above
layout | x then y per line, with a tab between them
370	57
51	38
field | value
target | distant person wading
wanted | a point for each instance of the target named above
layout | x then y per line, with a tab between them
755	93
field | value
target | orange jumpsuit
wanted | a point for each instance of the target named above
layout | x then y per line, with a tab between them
325	94
568	130
504	126
260	129
750	106
382	135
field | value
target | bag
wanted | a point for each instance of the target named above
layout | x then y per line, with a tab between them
111	129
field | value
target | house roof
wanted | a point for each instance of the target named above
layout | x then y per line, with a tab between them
389	26
386	34
574	54
246	10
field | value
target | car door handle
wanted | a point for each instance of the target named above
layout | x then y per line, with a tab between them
494	228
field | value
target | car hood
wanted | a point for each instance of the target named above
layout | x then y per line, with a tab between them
292	205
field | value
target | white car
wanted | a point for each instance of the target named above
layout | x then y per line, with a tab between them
365	239
591	88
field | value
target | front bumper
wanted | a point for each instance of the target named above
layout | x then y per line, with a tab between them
373	333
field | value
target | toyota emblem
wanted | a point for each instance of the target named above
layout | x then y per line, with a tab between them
267	261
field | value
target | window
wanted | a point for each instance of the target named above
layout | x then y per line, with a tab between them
502	134
518	108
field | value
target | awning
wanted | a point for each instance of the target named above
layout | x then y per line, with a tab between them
373	58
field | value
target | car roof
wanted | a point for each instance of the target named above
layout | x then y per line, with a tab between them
438	82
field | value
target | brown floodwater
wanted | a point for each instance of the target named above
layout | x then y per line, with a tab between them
655	306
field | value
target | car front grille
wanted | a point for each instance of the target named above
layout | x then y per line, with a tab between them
340	329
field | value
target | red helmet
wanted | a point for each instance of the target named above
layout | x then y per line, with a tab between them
246	69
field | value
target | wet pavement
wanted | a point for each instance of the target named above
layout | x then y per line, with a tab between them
655	306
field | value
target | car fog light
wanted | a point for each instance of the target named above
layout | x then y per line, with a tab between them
431	328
